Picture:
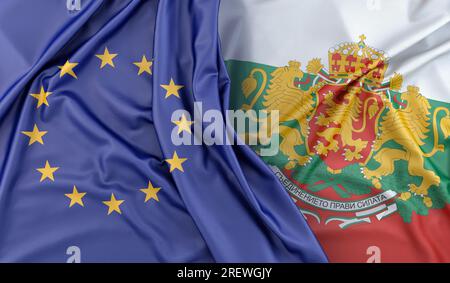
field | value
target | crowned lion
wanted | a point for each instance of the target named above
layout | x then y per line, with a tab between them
408	127
292	104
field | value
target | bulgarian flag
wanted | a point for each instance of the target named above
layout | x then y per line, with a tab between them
364	122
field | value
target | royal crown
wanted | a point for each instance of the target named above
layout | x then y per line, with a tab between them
357	61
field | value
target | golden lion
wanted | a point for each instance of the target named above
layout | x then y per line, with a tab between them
343	115
291	102
408	127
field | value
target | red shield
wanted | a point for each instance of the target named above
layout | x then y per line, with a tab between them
371	107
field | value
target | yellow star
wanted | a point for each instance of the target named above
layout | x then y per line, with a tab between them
107	58
41	97
47	172
183	124
67	68
172	89
176	162
75	197
144	65
35	135
113	205
150	192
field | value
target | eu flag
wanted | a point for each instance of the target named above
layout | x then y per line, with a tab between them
88	171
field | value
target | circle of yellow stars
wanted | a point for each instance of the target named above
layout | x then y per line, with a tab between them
36	135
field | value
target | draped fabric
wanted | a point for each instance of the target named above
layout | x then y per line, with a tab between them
88	170
365	92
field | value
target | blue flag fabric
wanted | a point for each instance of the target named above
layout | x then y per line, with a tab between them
88	171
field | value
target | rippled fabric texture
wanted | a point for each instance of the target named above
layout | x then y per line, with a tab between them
87	166
364	98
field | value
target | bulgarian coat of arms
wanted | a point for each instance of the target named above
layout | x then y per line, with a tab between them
354	146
